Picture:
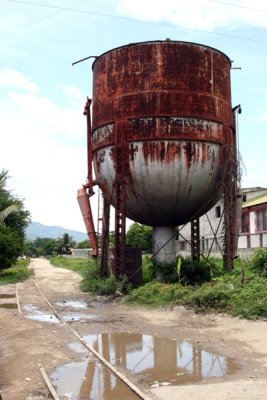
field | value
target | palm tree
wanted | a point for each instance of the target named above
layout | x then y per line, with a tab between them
10	209
7	211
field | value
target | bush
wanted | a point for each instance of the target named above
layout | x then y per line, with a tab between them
157	294
11	244
211	297
250	301
101	286
259	262
18	273
147	269
191	273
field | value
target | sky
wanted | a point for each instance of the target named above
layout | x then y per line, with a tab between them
42	96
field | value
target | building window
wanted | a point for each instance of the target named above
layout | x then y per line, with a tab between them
244	223
218	212
244	198
261	220
181	246
203	243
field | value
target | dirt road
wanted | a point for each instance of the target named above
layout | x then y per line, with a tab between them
232	343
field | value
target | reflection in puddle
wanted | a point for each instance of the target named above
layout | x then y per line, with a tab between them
90	380
72	303
7	296
78	347
11	306
146	358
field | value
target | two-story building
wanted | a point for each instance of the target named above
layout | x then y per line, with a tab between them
252	230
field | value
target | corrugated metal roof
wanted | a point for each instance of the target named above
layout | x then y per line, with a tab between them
256	201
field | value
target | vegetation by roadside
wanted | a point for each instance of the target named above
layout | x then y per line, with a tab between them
79	265
17	273
242	292
89	269
205	287
13	221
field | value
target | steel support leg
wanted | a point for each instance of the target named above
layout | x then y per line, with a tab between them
195	240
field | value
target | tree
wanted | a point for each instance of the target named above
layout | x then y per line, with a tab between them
85	244
65	243
41	247
13	221
5	212
140	236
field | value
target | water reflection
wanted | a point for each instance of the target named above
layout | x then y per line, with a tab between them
144	359
90	380
160	359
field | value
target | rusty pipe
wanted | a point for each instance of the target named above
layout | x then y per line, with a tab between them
84	203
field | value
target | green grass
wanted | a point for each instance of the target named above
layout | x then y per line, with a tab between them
90	272
242	292
248	301
79	265
17	273
156	294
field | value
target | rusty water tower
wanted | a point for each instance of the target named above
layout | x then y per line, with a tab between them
160	141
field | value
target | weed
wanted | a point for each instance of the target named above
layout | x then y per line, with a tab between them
79	265
250	301
147	269
259	262
157	294
17	273
211	297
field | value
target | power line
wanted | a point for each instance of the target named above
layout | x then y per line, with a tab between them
145	21
238	6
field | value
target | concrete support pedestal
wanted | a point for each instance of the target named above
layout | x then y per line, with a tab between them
163	246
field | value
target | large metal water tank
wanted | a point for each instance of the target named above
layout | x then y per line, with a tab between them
168	104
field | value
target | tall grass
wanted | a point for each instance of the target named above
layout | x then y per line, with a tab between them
204	288
17	273
79	265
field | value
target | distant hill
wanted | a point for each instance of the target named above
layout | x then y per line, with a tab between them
35	230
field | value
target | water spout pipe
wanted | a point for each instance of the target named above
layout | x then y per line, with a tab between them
84	203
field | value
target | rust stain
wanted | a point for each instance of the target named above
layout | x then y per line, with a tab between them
161	79
99	159
164	102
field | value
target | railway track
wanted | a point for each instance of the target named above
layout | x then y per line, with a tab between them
99	357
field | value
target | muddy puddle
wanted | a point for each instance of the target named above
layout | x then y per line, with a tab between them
33	312
72	304
148	360
79	317
11	306
7	296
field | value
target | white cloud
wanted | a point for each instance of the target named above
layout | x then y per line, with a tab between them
12	78
44	149
252	180
194	14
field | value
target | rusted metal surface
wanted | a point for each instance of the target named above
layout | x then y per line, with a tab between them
84	203
168	104
161	79
232	198
87	113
